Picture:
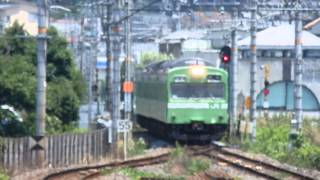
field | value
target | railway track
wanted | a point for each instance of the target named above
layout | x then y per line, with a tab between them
92	172
253	166
250	165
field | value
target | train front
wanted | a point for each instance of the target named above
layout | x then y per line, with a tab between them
198	102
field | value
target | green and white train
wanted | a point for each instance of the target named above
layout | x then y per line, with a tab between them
184	99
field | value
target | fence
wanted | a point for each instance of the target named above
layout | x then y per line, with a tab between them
62	150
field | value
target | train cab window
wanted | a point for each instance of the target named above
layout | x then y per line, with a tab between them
197	90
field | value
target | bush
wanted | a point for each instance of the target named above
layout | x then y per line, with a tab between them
181	163
138	147
273	140
150	57
197	165
3	175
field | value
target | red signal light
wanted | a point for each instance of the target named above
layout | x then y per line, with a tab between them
225	58
225	54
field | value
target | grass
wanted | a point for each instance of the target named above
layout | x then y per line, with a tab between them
3	175
273	140
138	147
178	158
181	163
136	174
107	171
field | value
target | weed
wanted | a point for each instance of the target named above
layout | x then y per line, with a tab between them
181	163
197	165
138	147
107	171
273	139
136	174
3	175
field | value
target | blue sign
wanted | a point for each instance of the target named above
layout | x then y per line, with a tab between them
101	63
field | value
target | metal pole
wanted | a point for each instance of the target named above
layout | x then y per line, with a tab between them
41	74
253	73
296	122
234	81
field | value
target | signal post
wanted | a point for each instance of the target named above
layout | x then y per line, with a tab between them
234	81
266	91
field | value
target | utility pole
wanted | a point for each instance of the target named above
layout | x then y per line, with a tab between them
92	59
128	74
116	48
109	74
81	45
41	75
94	43
90	66
128	80
234	80
296	122
253	72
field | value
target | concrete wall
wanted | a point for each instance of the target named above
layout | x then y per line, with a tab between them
276	69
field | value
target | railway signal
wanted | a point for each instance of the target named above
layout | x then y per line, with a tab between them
266	90
266	71
225	54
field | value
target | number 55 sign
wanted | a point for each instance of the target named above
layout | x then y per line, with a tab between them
124	125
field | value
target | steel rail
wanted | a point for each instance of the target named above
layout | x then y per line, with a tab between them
221	154
164	157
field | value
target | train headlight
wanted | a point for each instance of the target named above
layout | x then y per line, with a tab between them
197	71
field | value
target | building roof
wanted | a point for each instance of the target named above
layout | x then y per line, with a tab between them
281	37
177	36
311	24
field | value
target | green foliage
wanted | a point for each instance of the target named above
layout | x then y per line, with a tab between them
311	130
15	43
3	175
138	147
308	155
273	140
65	90
14	90
149	57
191	166
137	174
197	165
62	100
178	152
107	171
55	126
59	57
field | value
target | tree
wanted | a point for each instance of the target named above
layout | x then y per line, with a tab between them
66	86
148	57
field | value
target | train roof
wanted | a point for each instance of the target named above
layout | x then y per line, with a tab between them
164	65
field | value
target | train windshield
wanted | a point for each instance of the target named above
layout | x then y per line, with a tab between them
197	90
